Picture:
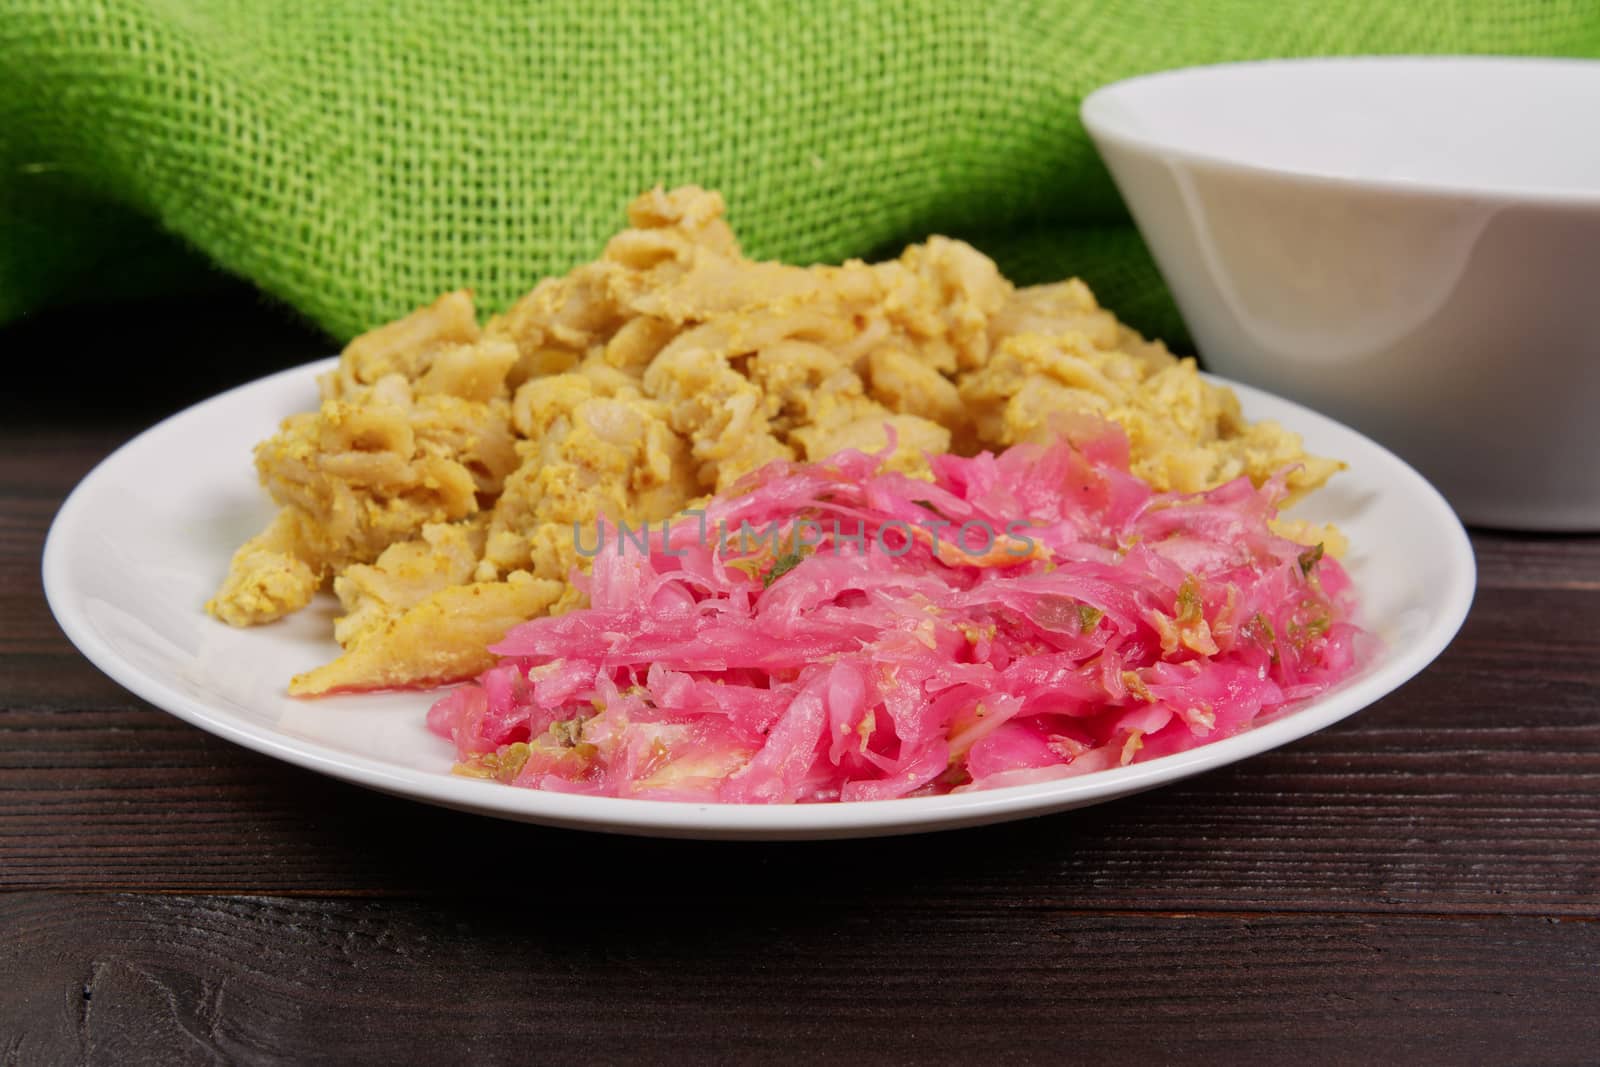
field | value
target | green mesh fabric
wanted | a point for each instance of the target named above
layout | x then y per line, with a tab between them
356	157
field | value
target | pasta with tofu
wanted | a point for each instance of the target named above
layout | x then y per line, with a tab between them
436	487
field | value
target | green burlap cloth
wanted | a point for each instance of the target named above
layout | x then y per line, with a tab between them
356	157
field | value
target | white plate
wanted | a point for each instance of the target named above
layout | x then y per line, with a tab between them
142	542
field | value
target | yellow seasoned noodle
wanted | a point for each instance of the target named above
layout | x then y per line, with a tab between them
437	485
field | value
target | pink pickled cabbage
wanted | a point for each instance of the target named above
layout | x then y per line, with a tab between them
1115	625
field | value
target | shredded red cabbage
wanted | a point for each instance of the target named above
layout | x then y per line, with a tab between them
874	649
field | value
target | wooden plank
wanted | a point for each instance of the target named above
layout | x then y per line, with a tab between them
726	976
1537	561
1380	815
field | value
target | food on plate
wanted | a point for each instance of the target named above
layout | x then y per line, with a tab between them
840	630
437	486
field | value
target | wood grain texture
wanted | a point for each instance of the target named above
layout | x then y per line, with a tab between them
1419	882
723	978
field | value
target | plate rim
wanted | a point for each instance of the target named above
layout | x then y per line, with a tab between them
709	820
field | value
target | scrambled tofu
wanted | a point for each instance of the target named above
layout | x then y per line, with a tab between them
438	486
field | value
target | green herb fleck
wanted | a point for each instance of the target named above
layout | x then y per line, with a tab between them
1310	558
783	565
1302	633
1190	608
1088	617
1261	630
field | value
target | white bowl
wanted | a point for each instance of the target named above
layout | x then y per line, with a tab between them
1411	245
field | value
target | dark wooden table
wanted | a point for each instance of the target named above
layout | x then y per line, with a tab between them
1420	883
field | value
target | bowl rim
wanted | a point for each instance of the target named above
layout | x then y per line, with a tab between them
1105	128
